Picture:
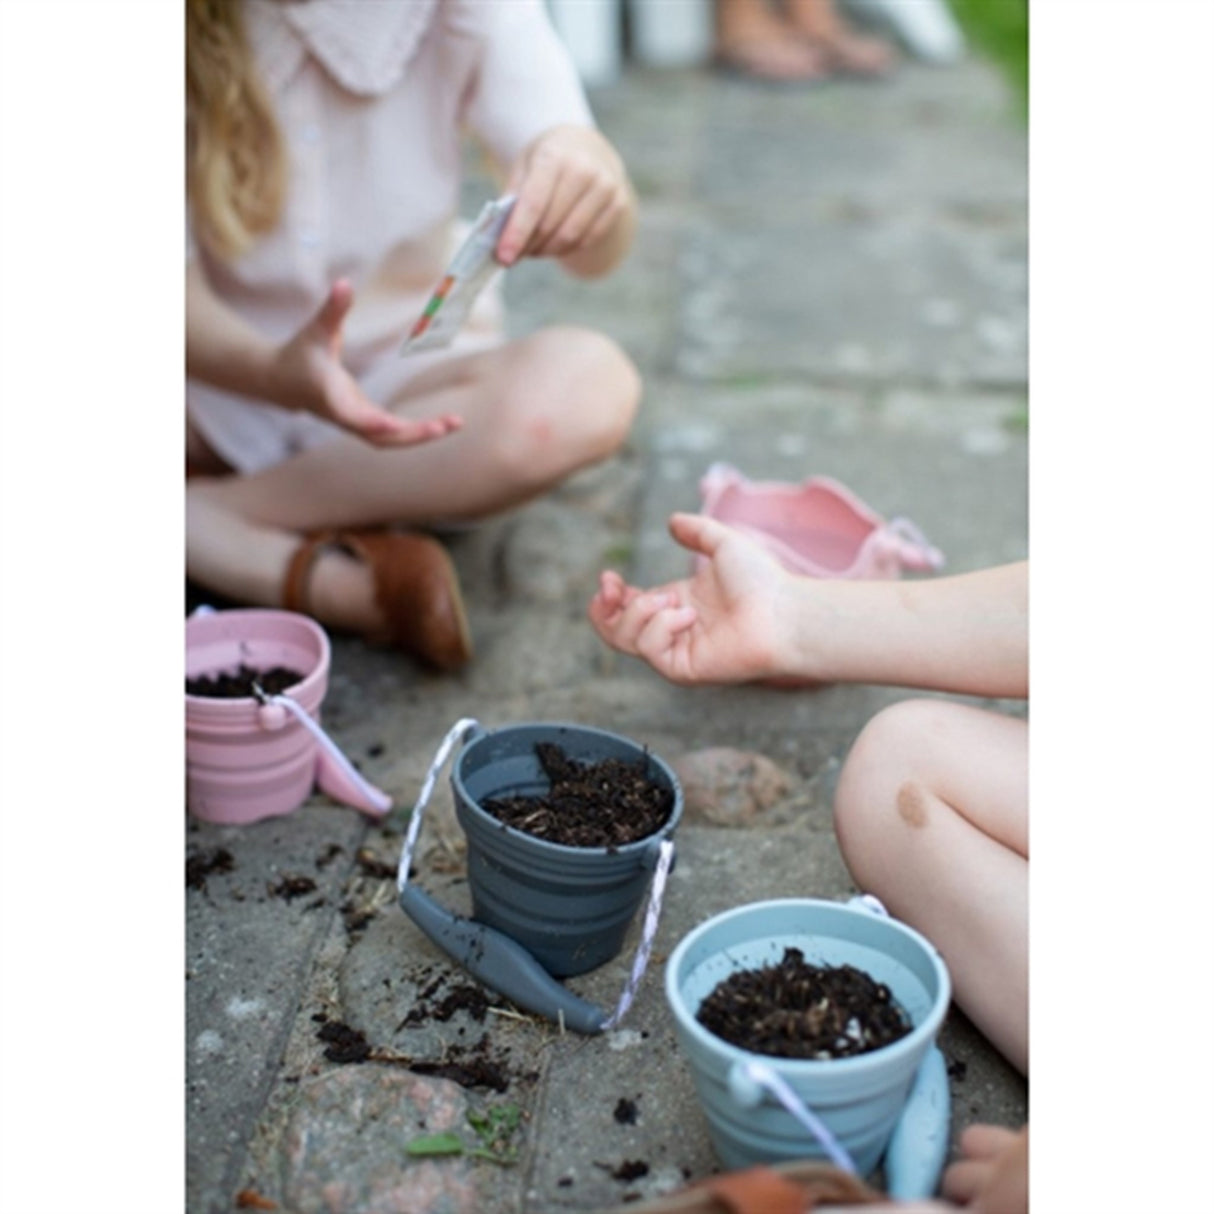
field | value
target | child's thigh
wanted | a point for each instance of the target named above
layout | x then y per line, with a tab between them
562	375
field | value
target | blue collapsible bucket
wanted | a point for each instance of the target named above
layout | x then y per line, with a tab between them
861	1099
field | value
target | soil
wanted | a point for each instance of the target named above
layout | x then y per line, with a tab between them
463	997
791	1009
372	866
343	1043
474	1067
238	684
604	804
480	1065
629	1169
292	886
200	865
355	917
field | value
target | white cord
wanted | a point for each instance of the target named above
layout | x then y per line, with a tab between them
775	1083
376	797
454	734
652	912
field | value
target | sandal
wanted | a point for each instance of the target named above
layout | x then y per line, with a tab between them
785	1188
416	589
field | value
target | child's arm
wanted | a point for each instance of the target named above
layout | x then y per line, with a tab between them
303	373
741	617
528	107
966	634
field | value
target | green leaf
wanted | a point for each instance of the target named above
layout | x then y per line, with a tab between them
435	1144
500	1121
494	1128
504	1159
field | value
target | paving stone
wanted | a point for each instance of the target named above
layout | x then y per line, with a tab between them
247	953
344	1150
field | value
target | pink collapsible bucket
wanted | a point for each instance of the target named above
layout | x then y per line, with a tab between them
246	760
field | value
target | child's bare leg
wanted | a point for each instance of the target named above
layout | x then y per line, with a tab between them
535	411
932	817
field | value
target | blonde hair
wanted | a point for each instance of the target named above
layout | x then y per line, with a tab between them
236	166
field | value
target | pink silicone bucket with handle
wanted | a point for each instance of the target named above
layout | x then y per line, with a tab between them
244	760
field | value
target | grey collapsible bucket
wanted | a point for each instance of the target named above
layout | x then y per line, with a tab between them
569	907
892	1101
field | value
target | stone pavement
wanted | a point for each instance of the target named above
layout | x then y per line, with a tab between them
826	282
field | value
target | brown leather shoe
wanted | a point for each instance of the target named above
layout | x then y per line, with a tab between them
416	589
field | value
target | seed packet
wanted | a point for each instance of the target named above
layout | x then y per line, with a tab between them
469	271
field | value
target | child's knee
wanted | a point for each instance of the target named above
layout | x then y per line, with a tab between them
883	760
571	400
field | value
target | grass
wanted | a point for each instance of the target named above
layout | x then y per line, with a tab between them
999	29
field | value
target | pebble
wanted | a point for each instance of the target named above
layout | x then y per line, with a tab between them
727	787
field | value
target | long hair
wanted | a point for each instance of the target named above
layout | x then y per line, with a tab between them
235	155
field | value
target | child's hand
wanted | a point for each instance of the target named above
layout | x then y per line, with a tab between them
721	625
308	374
993	1175
571	194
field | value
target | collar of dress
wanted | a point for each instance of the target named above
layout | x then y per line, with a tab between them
365	45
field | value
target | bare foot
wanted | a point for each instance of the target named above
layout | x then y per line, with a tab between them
753	40
844	50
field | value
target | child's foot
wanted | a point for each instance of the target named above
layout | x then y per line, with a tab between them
756	43
844	51
857	55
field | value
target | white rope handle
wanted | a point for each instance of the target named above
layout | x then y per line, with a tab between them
375	796
769	1078
454	735
650	930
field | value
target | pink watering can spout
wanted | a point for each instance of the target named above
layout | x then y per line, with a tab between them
335	774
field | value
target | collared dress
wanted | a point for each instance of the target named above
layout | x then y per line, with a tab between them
375	100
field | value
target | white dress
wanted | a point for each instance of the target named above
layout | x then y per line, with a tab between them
374	101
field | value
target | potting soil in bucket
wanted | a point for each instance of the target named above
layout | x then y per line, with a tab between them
245	760
858	1101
